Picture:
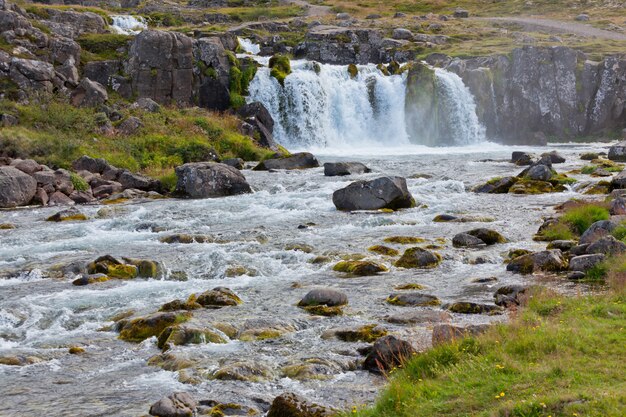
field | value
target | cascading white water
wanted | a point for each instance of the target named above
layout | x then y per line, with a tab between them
458	109
128	25
322	105
248	46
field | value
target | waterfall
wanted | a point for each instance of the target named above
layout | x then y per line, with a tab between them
128	25
248	46
457	109
324	106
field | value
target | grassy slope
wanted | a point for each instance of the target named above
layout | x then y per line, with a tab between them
56	133
559	357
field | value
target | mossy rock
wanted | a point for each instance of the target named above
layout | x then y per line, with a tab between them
243	371
589	156
418	258
67	216
90	279
359	268
7	226
353	71
368	333
76	350
218	297
384	250
178	305
170	362
490	237
239	270
311	369
122	271
280	67
145	268
597	189
186	335
410	286
321	259
525	186
516	253
323	310
259	334
413	299
301	247
404	240
473	308
186	239
141	328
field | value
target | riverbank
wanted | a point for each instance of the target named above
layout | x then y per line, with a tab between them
559	356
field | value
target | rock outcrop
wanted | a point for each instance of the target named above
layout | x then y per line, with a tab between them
381	193
210	179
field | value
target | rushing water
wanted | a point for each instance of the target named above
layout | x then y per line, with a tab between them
128	25
41	316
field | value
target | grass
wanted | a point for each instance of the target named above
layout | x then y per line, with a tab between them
103	46
559	356
583	216
55	133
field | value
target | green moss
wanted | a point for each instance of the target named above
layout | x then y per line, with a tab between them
280	67
359	268
167	19
383	250
141	328
526	186
324	310
410	286
103	46
368	333
353	71
404	240
581	217
78	182
418	258
122	271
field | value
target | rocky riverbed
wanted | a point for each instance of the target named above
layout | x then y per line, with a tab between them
270	247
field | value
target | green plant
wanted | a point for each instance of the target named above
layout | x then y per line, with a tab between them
280	67
583	216
103	46
78	182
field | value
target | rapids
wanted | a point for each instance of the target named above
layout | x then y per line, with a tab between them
41	316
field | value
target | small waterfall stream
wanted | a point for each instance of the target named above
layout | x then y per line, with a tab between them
128	25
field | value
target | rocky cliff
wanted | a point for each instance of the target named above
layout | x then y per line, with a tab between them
552	91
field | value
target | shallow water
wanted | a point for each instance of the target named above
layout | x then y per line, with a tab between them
42	316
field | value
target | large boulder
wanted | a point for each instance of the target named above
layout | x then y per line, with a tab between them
618	152
597	231
16	187
584	263
324	296
161	66
261	120
300	160
418	258
333	169
546	261
607	245
210	179
139	182
388	352
381	193
89	94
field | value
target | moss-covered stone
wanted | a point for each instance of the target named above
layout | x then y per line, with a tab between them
526	186
145	268
301	247
384	250
311	369
141	328
368	333
411	286
280	67
323	310
239	270
516	253
218	297
321	259
414	299
404	240
259	334
418	258
359	268
170	362
186	335
122	271
473	308
67	216
7	226
76	350
353	71
186	238
243	371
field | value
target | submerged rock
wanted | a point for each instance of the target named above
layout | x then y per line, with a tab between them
300	160
489	237
332	169
210	179
387	353
413	299
324	296
381	193
141	328
496	186
71	214
243	371
218	297
464	240
185	335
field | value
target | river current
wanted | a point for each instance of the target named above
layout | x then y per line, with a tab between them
42	315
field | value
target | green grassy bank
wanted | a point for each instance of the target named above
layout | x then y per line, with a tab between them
559	356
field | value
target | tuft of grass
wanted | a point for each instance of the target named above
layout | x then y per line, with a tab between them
558	231
103	46
559	356
583	216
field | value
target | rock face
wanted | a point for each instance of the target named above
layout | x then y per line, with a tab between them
210	179
333	169
551	90
341	46
161	66
385	192
89	94
16	187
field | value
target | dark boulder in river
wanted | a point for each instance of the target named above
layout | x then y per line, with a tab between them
291	405
300	160
333	169
381	193
179	404
388	352
210	179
